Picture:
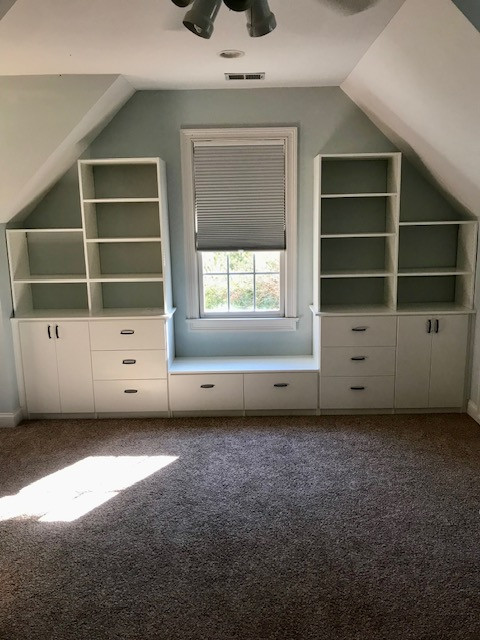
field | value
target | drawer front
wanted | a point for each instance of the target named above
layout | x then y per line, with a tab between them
281	391
358	361
127	334
358	331
130	395
206	392
357	393
122	365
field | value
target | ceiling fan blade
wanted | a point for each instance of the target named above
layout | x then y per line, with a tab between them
350	7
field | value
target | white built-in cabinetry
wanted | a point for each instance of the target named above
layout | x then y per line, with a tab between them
55	362
97	298
393	297
431	361
392	289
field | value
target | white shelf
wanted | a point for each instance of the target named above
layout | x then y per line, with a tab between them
359	195
432	307
243	364
51	279
53	230
354	310
373	273
121	240
431	223
118	200
357	235
433	271
127	277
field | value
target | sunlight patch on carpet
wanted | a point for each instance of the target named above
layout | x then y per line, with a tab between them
68	494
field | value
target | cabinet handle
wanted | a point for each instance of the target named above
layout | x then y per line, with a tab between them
207	386
56	332
437	325
357	388
128	361
358	358
127	332
359	328
281	385
130	391
49	333
429	326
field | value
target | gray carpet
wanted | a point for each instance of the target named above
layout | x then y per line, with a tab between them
264	528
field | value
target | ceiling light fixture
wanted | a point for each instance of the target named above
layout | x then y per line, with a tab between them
201	17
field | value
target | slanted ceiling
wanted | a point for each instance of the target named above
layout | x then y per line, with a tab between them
46	123
420	84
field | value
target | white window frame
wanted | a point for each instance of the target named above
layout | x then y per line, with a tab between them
289	321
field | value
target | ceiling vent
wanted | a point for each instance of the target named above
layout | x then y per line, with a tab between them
245	76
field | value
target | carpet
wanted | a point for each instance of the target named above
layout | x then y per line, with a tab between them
308	528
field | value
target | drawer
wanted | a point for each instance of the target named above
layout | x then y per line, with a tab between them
130	395
281	390
206	392
127	334
373	392
358	331
358	361
122	365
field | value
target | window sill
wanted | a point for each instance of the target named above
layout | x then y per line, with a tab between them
242	324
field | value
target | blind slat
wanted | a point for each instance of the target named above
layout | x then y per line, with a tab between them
239	196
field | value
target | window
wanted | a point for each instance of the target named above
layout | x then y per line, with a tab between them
239	188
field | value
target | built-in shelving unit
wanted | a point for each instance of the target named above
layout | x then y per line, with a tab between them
117	262
357	214
369	259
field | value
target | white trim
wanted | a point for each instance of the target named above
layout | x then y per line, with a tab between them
473	412
187	139
11	419
242	324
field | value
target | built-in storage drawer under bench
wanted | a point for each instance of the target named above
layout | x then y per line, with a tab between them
269	391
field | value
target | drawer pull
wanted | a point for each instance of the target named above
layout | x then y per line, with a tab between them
207	386
357	388
359	328
129	361
131	391
281	385
358	358
127	332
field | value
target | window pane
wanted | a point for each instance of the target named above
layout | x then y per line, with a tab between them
241	293
267	261
214	262
267	292
215	293
241	261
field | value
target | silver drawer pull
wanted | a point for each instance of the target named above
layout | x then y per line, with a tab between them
357	388
207	386
129	361
127	332
280	385
358	358
359	328
131	391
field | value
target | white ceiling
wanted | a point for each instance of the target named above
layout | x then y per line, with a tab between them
145	41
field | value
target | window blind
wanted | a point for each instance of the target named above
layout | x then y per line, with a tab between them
239	195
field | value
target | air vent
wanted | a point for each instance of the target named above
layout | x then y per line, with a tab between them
245	76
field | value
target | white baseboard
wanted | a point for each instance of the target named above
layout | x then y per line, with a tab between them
473	412
11	419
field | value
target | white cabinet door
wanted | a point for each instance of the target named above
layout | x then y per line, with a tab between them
449	353
37	340
72	342
414	348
